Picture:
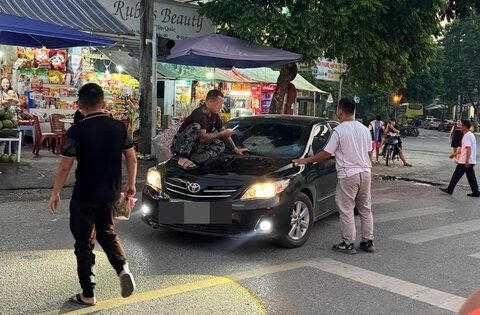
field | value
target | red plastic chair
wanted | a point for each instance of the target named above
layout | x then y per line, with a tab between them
58	128
42	136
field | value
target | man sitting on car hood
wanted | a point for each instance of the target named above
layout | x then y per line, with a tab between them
200	136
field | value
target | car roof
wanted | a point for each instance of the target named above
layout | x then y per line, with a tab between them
301	120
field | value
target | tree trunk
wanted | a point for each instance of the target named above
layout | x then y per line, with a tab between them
287	74
146	70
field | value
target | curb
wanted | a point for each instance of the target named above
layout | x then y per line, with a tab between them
412	180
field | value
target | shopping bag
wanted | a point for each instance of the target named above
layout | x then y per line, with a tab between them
123	208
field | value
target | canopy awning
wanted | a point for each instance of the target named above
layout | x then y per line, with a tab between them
85	15
180	72
21	31
268	75
220	51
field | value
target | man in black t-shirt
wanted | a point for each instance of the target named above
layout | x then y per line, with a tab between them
97	142
200	136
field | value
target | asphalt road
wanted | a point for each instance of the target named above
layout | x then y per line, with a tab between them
426	262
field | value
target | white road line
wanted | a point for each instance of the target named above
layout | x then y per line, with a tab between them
410	290
382	200
477	255
406	214
440	232
422	137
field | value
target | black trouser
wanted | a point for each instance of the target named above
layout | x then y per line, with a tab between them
458	174
90	222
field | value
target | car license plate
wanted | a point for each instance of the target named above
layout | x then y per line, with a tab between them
185	212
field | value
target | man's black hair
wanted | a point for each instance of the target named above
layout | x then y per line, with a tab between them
378	117
347	105
90	95
213	94
467	123
392	119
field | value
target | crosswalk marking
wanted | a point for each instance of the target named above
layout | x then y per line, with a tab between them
439	232
406	214
477	255
403	214
410	290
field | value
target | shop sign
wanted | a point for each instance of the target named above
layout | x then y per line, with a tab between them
330	98
328	70
173	20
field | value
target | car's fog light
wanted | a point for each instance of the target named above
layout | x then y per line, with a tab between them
146	210
264	225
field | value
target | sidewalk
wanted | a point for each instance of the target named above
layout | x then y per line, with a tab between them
39	172
428	167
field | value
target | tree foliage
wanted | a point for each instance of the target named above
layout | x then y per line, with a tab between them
429	85
462	48
383	42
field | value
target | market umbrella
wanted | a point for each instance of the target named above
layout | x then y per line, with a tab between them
21	31
222	51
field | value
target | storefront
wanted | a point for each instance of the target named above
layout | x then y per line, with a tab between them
47	81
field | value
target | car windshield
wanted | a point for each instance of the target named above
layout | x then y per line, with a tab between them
270	139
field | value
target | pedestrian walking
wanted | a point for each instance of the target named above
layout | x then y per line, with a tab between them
351	144
456	136
97	143
466	161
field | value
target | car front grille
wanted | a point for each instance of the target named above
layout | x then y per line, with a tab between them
177	187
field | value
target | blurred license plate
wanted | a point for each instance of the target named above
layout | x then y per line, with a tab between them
186	212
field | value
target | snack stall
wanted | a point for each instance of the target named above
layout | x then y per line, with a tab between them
47	82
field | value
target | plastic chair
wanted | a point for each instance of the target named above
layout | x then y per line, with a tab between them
42	136
58	128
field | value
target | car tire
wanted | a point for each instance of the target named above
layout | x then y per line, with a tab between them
292	241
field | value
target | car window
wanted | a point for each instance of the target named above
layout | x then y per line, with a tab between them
320	139
270	139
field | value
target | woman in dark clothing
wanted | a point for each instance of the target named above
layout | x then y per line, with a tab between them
456	136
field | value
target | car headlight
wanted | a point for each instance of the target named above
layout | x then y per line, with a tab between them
265	190
154	179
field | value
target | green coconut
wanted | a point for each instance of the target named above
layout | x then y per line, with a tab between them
7	124
8	115
5	158
13	158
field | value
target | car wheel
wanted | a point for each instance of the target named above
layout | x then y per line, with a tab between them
301	223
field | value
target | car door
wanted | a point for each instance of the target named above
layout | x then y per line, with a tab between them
324	173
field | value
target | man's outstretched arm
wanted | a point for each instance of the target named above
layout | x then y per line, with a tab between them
62	174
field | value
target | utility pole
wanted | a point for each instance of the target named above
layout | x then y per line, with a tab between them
146	70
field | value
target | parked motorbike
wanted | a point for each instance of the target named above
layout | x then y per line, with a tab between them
408	130
391	150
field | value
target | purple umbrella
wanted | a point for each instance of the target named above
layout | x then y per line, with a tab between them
222	51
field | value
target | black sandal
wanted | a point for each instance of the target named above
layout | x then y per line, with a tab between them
77	299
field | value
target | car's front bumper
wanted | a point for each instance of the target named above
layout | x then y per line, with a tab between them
246	216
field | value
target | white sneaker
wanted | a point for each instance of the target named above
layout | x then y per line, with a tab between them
127	283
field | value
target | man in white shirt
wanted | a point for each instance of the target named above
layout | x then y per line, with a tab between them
466	162
351	144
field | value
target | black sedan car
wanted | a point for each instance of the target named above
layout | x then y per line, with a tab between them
259	194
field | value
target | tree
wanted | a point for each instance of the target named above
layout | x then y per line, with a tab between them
383	42
427	86
462	48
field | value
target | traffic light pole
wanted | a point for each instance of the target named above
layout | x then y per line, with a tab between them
146	84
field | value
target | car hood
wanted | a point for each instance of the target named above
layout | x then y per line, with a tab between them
234	167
